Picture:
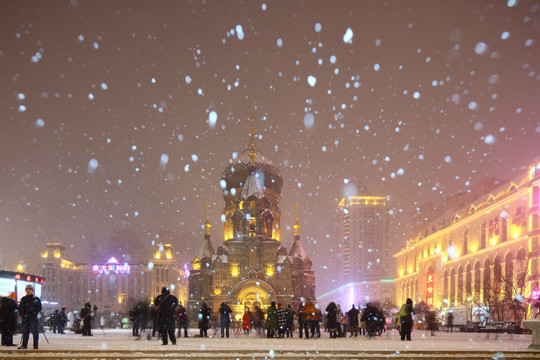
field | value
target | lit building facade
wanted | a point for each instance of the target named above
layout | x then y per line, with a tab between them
251	267
363	234
484	256
111	285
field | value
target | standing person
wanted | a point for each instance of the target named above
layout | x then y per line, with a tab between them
54	320
302	322
225	318
450	322
166	306
282	320
353	321
271	324
246	320
153	316
290	320
62	321
431	321
8	318
182	319
136	316
86	319
204	319
259	320
29	309
331	319
405	318
339	319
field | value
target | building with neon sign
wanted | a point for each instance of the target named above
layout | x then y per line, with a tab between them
112	284
484	255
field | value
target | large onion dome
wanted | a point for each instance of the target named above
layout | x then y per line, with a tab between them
251	162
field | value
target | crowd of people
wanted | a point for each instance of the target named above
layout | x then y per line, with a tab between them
167	314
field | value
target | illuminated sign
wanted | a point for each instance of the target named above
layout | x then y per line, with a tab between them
535	295
430	288
112	267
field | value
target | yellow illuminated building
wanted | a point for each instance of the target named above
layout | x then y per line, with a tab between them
483	256
251	267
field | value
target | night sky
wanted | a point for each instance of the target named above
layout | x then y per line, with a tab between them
123	115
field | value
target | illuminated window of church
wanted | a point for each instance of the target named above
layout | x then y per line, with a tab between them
252	204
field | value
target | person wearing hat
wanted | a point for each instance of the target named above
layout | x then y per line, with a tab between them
8	318
29	309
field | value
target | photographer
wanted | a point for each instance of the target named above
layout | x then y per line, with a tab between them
86	319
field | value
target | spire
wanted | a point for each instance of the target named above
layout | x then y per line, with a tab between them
297	250
297	224
206	250
252	151
207	224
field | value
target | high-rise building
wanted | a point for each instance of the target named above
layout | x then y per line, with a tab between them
363	232
251	267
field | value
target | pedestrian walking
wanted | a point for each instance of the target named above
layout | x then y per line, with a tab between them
331	319
246	320
353	321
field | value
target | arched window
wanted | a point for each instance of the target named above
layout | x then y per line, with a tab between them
477	280
466	243
460	286
468	281
483	236
509	276
487	280
453	287
504	229
497	274
445	285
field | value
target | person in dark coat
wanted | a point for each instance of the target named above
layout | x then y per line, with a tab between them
271	324
290	320
405	319
303	325
8	318
371	317
432	322
29	309
136	315
86	319
282	320
224	319
153	316
182	319
353	321
204	320
331	319
62	321
166	309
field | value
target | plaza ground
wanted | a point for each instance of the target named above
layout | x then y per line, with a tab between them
389	341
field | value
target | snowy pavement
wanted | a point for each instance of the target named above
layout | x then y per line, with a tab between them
389	341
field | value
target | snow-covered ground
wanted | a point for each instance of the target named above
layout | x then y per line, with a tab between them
389	341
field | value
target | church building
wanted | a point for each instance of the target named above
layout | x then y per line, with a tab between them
252	267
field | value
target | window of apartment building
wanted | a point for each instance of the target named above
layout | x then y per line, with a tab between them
483	236
466	243
504	229
520	218
493	229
